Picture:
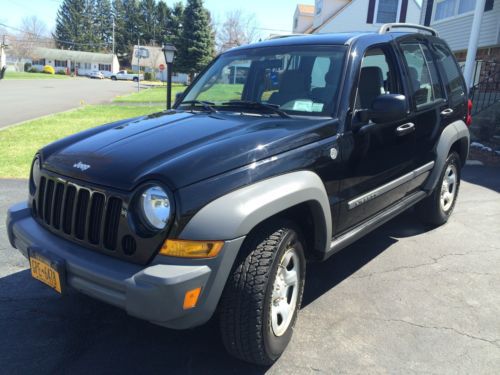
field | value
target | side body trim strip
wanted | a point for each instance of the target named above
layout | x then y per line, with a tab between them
389	186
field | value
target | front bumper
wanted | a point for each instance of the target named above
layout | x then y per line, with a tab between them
154	292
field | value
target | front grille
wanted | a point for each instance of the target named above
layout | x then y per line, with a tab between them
80	213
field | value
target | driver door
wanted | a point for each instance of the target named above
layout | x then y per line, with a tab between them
380	153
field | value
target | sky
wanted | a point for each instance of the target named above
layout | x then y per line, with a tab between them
272	16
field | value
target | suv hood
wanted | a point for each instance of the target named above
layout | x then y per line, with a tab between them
178	148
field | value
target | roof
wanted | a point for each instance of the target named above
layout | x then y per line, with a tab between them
78	56
305	9
309	39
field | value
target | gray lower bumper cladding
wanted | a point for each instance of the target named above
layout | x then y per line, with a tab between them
154	292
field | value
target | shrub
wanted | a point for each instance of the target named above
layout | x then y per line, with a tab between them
47	69
33	70
27	66
61	72
148	76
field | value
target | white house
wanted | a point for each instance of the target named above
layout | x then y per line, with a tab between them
354	15
149	59
79	62
453	20
303	18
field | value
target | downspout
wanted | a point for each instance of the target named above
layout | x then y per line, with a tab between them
473	42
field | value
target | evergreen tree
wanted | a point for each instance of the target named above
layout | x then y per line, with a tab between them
103	23
131	32
71	23
196	46
121	43
148	22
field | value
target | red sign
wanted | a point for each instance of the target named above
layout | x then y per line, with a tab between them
162	67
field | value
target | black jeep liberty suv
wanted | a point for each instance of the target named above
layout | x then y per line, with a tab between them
279	153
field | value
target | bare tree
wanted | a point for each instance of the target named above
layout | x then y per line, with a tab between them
32	33
238	28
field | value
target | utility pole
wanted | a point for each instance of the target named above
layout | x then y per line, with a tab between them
113	35
139	65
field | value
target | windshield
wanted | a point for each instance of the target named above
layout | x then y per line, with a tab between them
302	80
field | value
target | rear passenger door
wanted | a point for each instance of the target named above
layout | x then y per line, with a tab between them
428	104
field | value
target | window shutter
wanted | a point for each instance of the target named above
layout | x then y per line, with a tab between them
488	5
371	11
404	8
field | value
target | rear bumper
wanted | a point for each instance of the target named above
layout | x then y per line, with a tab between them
154	292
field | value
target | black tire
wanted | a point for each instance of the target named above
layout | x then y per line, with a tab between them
113	78
245	308
430	210
135	79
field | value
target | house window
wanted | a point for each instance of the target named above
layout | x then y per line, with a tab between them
87	66
387	11
105	67
38	62
449	8
295	22
60	63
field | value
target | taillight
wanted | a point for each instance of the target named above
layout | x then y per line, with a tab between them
468	119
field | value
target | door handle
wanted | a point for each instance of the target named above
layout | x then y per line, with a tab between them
446	112
404	129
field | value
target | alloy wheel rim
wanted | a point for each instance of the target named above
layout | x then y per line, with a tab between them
449	187
285	291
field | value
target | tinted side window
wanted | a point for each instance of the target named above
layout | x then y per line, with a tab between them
424	80
451	74
377	77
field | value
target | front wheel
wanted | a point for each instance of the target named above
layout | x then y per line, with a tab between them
436	209
262	297
135	79
113	78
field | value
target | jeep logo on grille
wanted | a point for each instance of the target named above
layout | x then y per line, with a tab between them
81	166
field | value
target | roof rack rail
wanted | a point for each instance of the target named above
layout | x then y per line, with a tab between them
281	36
387	28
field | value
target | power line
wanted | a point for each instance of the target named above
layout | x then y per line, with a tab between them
55	39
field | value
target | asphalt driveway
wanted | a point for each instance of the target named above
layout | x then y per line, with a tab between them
405	299
22	100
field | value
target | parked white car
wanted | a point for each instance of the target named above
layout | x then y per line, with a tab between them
96	74
123	75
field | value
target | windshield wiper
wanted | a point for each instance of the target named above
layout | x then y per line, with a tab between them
257	105
207	106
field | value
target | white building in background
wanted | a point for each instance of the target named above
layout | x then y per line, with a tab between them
79	62
149	59
452	19
331	16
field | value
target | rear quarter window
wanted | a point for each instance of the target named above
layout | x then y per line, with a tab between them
451	74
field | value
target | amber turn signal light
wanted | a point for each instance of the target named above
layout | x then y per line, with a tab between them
191	298
191	249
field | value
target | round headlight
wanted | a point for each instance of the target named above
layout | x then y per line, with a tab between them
35	171
156	207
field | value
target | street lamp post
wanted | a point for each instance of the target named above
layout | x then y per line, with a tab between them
169	52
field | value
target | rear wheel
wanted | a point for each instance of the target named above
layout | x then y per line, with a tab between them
437	208
262	297
113	78
135	79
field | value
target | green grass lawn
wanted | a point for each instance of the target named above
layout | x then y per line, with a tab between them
218	92
26	75
18	144
151	95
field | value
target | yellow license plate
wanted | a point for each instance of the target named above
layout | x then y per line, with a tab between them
44	272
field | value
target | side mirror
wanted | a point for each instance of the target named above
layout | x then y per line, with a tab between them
387	108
